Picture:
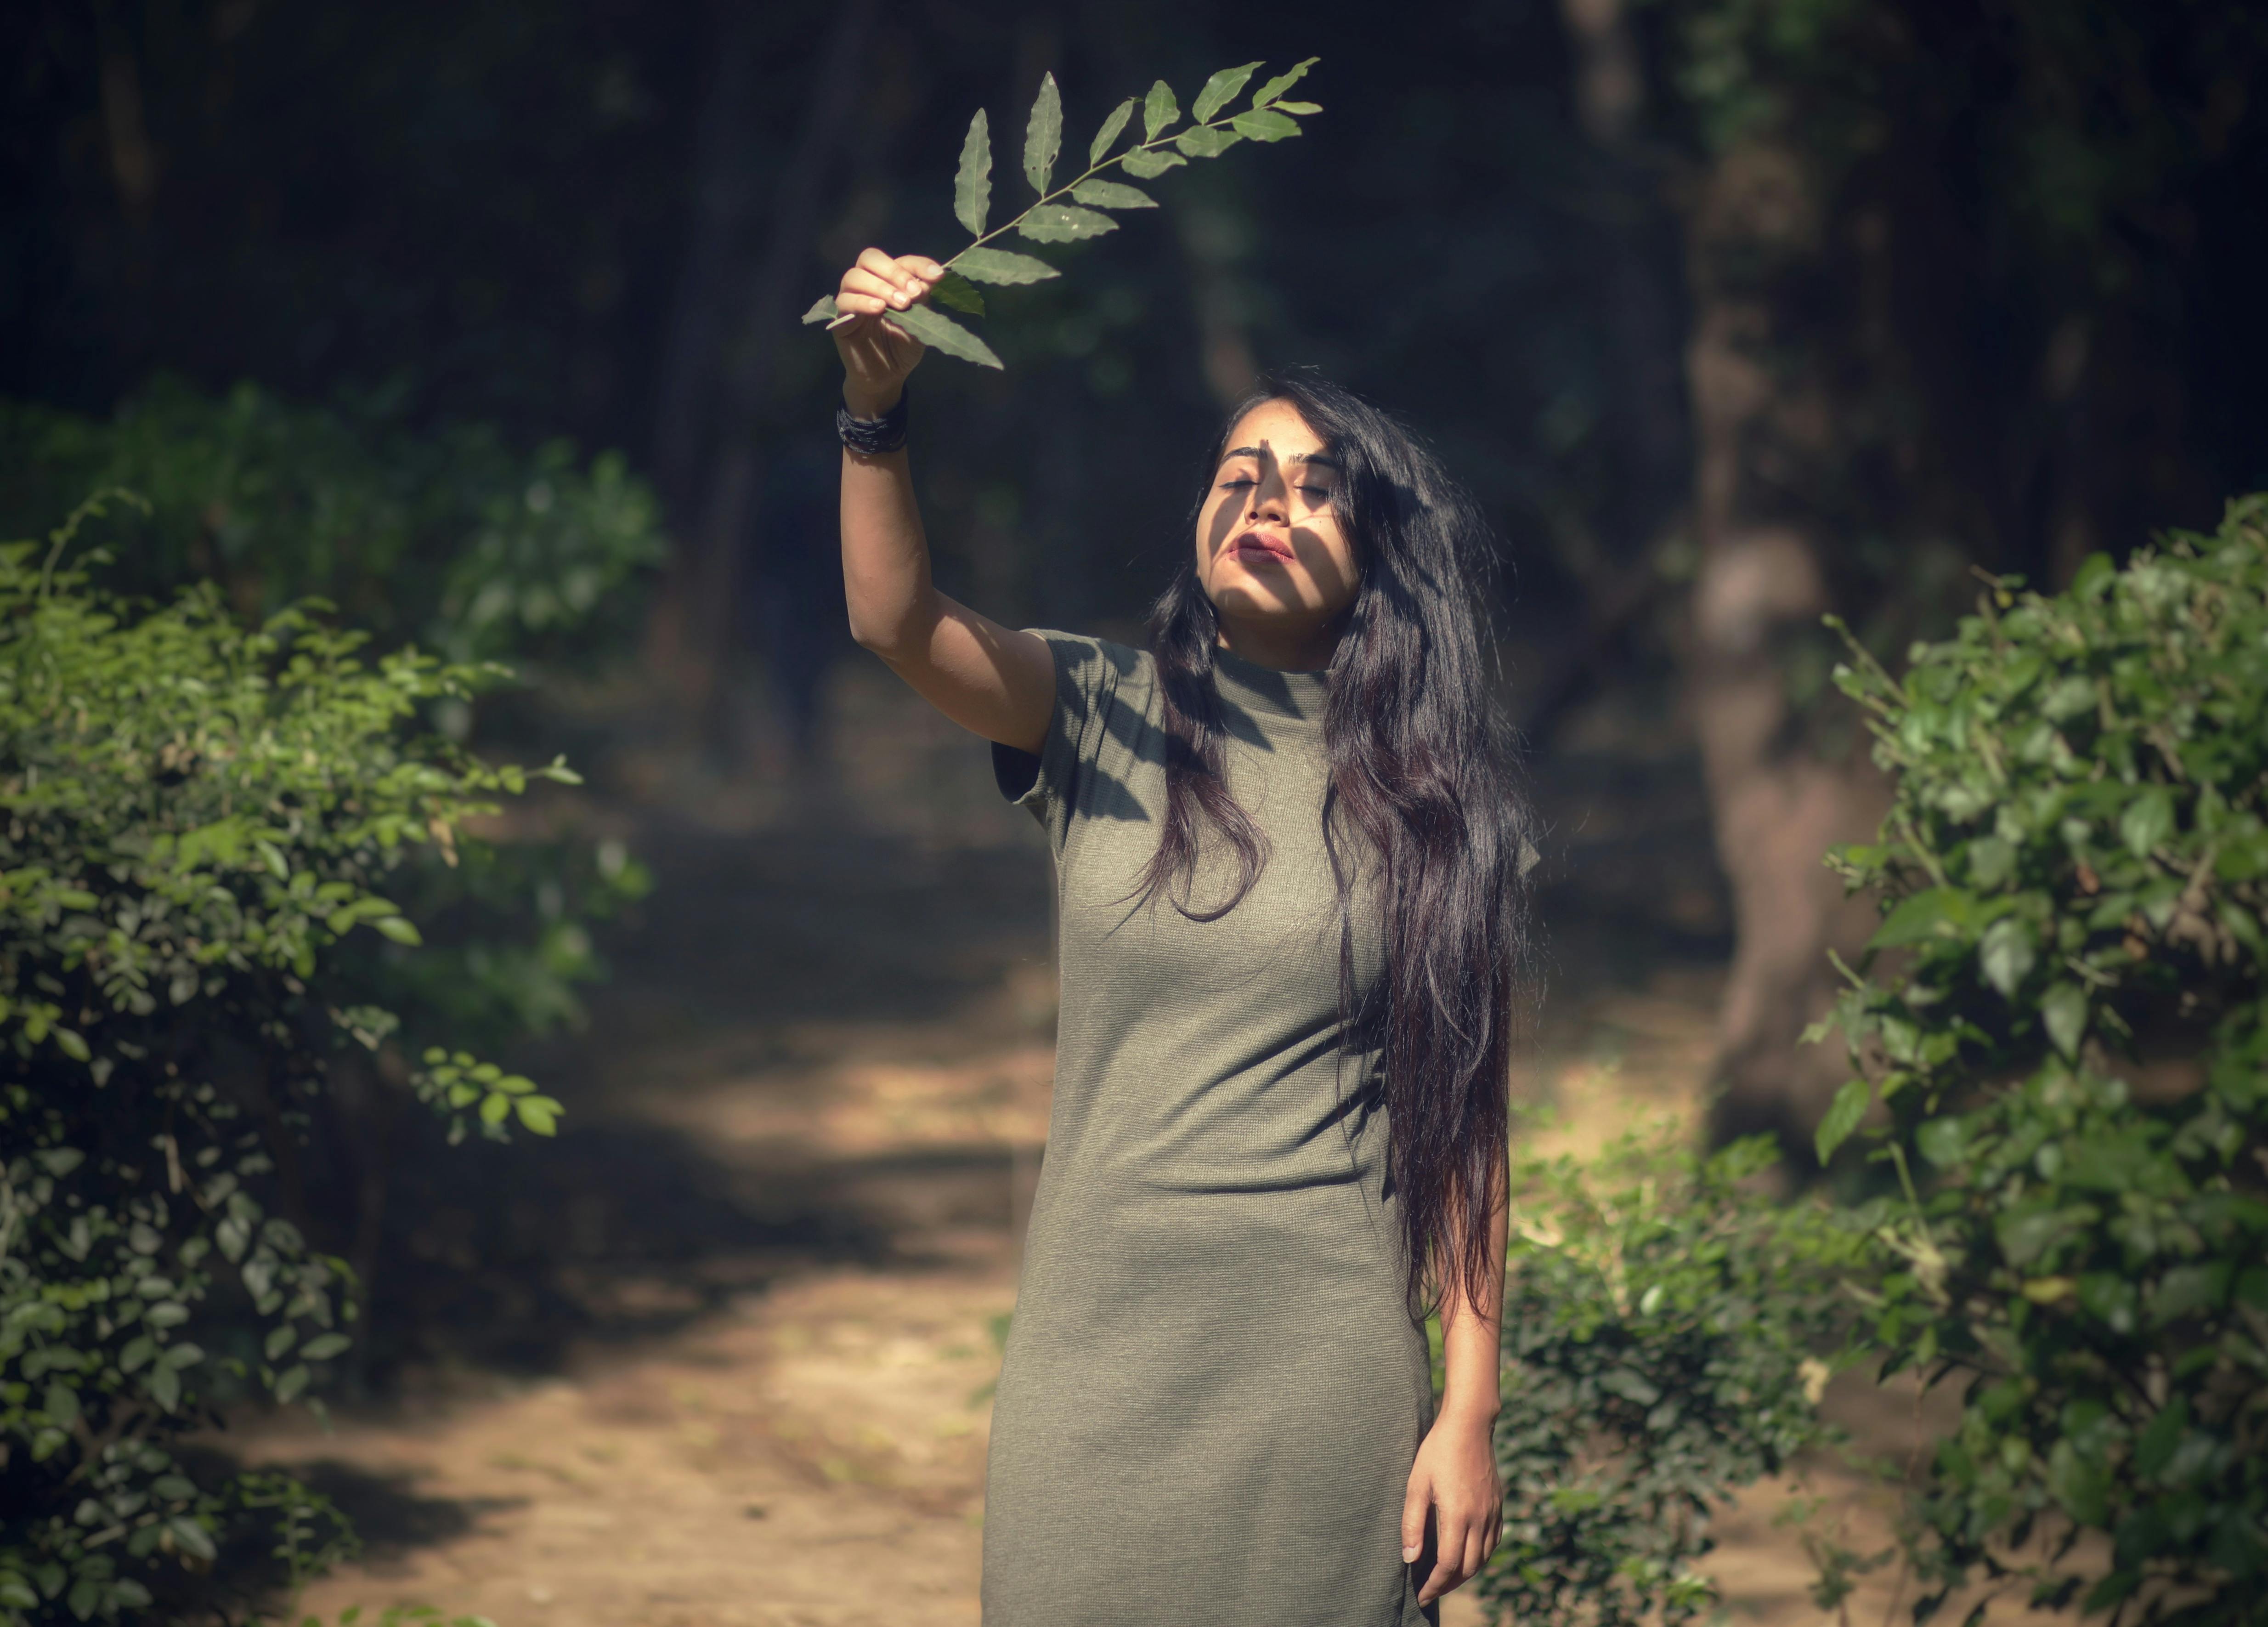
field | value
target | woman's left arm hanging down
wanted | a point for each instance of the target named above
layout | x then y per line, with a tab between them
1454	1479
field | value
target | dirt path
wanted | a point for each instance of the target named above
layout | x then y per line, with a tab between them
749	1321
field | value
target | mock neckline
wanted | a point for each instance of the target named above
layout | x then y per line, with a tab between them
1299	697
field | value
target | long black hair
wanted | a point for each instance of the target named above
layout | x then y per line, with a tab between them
1422	776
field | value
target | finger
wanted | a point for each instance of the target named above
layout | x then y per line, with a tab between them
885	288
921	266
861	304
875	263
1448	1552
1477	1548
1415	1502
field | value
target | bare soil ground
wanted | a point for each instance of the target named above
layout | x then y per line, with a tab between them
782	1219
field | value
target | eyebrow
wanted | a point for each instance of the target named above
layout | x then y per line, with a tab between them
1314	459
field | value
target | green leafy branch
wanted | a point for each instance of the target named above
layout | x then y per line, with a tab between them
1074	211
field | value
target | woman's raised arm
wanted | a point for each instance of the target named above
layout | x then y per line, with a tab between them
992	680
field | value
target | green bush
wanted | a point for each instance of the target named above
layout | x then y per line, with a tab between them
447	537
1667	1331
2063	1013
207	833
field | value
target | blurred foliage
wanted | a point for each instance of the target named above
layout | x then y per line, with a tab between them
1996	265
206	828
2064	1015
443	536
1670	1327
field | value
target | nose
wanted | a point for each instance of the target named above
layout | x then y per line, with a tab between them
1268	500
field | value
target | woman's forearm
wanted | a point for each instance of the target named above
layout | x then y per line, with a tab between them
885	574
1471	1335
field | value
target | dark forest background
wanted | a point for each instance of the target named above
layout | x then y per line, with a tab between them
1733	312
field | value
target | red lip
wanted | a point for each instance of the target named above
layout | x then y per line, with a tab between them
1252	542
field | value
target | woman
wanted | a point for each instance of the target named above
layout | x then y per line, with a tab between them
1289	861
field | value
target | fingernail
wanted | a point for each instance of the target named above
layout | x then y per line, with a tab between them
1410	1550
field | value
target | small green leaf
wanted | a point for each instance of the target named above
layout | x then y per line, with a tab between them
822	311
1219	91
955	291
1264	124
1630	1386
165	1385
1002	267
2007	954
324	1346
278	1341
1043	135
399	929
288	1387
1112	195
1918	916
2156	1446
1159	111
2148	821
1302	108
1843	1115
2064	1009
71	1045
1942	1140
190	1532
495	1107
2079	1483
972	183
1205	141
1270	89
1108	133
1061	223
539	1114
941	333
1990	862
1145	165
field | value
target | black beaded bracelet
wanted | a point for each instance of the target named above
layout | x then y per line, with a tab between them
873	436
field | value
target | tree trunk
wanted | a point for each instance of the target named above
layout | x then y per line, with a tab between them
1777	801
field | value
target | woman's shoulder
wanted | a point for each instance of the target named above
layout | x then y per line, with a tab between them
1097	670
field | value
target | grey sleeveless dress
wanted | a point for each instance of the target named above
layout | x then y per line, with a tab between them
1212	1394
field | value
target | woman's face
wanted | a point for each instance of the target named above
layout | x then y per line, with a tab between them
1270	552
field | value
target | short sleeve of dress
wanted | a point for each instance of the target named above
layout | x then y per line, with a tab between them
1053	784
